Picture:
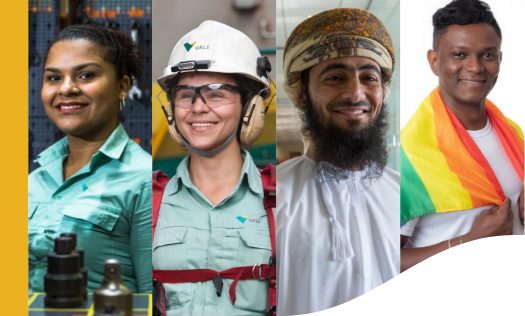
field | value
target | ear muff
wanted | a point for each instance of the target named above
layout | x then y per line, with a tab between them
252	120
172	126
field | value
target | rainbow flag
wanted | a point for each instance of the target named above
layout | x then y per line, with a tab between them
442	169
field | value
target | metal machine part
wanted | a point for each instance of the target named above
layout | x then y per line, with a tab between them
109	310
113	291
63	282
83	269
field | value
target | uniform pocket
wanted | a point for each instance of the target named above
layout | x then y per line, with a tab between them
254	248
169	253
252	295
169	250
96	231
100	216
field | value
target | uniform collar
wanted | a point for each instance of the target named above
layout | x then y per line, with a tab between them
112	148
249	171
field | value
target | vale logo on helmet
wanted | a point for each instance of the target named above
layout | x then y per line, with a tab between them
189	46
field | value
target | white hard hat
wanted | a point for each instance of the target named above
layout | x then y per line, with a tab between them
216	47
226	49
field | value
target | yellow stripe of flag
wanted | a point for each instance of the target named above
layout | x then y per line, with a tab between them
425	158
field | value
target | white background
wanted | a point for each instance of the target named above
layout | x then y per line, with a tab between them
417	80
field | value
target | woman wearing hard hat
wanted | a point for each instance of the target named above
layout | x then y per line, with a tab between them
95	181
213	233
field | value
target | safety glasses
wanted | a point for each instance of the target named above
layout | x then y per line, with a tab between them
213	95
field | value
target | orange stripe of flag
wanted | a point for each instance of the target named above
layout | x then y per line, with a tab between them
473	178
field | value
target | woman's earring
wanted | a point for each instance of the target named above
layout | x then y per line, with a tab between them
122	104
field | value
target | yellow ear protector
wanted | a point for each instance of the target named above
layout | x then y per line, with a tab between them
250	126
253	114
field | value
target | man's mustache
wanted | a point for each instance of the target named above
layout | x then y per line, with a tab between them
336	105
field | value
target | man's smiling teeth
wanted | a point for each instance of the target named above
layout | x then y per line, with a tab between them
472	81
202	124
65	107
351	112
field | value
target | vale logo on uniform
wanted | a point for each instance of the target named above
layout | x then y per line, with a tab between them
243	219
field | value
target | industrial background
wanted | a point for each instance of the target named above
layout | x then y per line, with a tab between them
46	19
292	12
255	18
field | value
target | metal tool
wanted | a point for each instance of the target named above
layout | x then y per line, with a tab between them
113	291
63	282
83	269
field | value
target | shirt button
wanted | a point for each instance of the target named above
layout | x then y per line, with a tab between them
41	230
56	197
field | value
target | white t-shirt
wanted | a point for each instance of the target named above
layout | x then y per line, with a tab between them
431	229
309	280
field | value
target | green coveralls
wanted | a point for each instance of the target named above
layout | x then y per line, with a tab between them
192	233
107	204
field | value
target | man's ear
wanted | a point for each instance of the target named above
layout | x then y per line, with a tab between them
433	61
301	99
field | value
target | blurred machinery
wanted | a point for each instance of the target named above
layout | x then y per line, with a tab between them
46	19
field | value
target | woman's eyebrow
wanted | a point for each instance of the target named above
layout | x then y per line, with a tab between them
76	68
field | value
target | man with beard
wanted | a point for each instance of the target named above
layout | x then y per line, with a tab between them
338	205
461	158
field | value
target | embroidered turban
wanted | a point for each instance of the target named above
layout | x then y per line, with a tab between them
333	34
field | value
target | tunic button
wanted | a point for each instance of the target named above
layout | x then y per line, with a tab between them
41	265
41	230
57	197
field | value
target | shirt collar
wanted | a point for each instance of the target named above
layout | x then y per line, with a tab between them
113	147
248	171
116	143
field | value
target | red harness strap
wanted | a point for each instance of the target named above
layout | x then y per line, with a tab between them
268	177
160	180
257	271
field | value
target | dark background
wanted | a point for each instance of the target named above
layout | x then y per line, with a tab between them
46	19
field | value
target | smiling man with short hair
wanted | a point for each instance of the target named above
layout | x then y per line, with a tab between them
338	205
461	158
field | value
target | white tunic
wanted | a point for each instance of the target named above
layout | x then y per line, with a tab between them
309	280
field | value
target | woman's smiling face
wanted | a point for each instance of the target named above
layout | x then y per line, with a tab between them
80	90
204	127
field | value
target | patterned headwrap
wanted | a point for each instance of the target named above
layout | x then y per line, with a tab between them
332	34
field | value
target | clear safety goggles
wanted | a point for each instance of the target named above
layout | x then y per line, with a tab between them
213	95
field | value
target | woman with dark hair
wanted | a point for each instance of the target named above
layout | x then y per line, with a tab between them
94	182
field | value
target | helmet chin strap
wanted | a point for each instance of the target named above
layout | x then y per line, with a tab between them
208	154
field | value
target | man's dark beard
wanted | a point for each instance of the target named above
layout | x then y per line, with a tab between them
348	149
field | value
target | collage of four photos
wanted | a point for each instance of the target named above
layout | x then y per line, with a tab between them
263	157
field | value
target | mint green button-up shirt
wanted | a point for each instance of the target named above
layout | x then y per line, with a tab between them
192	233
107	204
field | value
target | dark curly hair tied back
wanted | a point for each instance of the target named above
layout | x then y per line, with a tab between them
462	12
116	47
